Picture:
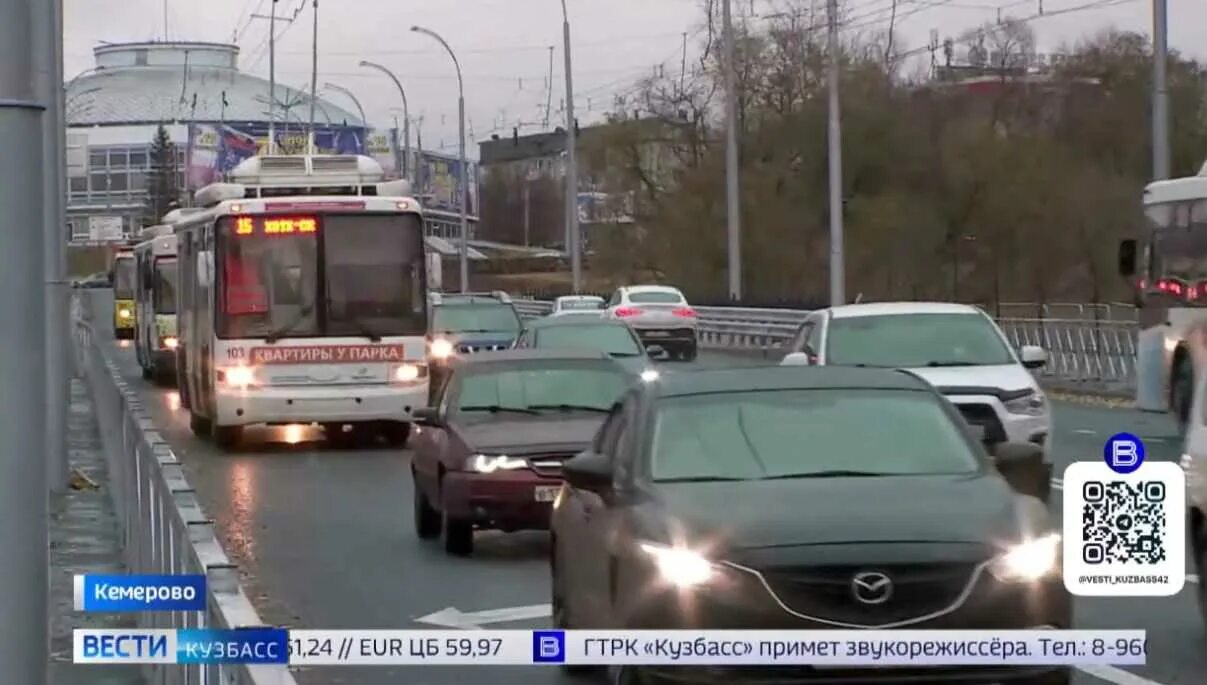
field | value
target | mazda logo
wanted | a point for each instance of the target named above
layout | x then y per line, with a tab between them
871	587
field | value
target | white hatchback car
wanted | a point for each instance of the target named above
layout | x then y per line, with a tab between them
661	317
955	347
578	305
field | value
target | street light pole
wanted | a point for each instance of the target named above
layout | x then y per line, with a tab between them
732	197
24	121
314	77
406	116
837	270
572	234
351	96
464	162
1160	104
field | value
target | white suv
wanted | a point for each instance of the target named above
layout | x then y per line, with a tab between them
660	315
957	348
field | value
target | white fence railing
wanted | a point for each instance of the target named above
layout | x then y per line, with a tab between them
163	527
1094	346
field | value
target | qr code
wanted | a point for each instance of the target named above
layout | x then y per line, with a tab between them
1123	523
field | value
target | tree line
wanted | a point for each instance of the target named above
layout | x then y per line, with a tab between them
1015	187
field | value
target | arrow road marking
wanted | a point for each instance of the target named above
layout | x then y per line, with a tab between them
453	617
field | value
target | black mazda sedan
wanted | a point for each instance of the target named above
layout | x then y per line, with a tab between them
803	499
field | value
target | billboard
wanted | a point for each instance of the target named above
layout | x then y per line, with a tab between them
438	180
214	149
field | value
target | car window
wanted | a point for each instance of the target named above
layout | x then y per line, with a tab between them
916	340
623	450
802	336
655	297
799	433
814	334
543	386
612	339
616	299
475	318
610	437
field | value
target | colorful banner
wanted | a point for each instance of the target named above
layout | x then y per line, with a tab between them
213	149
438	181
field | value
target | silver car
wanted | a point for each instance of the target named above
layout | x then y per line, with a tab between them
661	317
578	305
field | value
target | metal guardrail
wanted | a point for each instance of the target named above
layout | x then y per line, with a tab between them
163	527
1094	348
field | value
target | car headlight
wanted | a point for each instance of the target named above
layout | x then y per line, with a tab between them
486	463
1028	561
1031	404
123	313
649	375
237	376
680	566
170	342
441	348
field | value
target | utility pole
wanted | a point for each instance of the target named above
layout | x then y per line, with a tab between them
732	198
25	89
548	91
1160	104
576	265
837	270
314	76
272	73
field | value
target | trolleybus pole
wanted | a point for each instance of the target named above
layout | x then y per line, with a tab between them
24	25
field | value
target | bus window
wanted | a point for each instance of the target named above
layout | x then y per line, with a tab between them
374	268
269	284
123	278
165	286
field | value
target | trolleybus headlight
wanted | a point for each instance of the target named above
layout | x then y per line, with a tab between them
170	342
123	313
238	376
405	373
441	348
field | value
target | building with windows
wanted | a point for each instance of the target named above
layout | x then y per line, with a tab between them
216	116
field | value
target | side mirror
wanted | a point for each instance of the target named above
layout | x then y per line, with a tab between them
1022	465
1033	356
1127	258
798	359
588	471
205	268
428	416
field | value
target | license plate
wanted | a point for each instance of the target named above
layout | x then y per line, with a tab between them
546	493
657	334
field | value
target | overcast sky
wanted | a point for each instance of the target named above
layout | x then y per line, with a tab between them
503	44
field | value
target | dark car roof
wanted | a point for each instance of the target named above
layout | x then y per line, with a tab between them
560	321
741	379
530	354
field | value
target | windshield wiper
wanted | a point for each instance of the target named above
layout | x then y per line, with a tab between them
938	364
827	474
495	409
624	355
276	335
699	479
571	407
366	331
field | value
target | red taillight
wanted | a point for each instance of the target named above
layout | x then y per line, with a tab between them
627	311
685	312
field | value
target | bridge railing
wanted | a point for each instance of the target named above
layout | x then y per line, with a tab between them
164	529
1092	348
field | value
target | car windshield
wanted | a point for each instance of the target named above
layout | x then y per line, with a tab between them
807	433
617	341
165	285
542	386
484	318
656	297
123	278
916	340
580	305
343	275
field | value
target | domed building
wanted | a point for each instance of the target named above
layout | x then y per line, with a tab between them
213	113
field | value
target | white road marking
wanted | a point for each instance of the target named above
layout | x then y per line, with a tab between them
1058	484
452	617
1115	675
1085	431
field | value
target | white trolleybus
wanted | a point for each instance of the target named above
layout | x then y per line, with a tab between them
1169	268
303	300
155	289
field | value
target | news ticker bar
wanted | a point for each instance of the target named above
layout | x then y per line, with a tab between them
837	648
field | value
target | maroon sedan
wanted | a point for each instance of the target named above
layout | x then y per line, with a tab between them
489	454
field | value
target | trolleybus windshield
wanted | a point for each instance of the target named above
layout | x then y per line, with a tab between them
325	275
166	277
1177	253
123	278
